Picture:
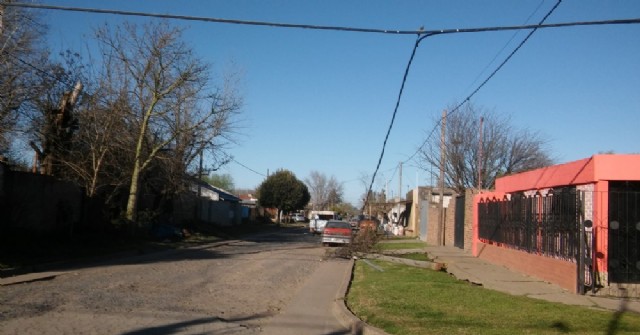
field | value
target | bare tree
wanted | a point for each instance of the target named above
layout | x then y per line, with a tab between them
317	184
21	57
164	86
48	117
324	191
504	150
97	161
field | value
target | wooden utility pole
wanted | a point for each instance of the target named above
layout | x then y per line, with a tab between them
399	194
1	17
443	156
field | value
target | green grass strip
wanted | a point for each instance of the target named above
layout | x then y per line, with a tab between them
407	300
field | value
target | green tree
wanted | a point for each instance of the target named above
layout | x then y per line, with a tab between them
283	191
223	181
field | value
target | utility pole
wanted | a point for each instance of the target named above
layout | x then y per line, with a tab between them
441	225
480	138
399	193
198	208
1	17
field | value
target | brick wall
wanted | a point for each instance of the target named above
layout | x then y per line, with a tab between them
553	270
468	218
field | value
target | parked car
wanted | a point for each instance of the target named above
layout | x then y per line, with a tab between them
355	220
337	232
319	219
297	217
365	224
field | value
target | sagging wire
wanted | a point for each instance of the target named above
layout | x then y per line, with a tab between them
513	36
406	73
468	98
248	168
420	32
214	20
393	117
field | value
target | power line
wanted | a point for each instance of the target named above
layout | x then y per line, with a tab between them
513	36
393	117
215	20
468	98
406	73
248	168
421	32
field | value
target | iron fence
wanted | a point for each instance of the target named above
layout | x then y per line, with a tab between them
624	233
542	224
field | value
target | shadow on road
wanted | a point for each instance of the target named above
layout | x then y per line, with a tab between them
143	255
218	326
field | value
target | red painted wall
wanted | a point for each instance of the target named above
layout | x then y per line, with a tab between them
585	171
597	170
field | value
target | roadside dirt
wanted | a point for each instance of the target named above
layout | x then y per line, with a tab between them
232	289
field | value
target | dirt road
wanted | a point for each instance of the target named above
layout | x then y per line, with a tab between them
230	289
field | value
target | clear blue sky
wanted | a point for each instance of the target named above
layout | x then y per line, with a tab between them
322	100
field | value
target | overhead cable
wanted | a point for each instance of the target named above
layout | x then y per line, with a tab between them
248	168
406	73
513	36
468	98
420	32
213	20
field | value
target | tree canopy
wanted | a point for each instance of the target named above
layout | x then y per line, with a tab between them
223	181
283	191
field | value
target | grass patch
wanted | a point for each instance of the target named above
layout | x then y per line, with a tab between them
408	300
401	245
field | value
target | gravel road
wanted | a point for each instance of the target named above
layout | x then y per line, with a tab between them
229	289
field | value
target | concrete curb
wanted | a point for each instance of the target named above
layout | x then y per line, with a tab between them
344	315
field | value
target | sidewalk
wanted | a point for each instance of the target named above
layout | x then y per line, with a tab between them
315	309
464	266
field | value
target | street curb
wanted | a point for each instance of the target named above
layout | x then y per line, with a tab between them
344	315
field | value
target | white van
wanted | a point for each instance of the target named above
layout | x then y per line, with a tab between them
318	219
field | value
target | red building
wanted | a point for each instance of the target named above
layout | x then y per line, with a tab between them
575	224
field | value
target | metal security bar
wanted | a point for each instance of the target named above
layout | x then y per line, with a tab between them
624	232
541	224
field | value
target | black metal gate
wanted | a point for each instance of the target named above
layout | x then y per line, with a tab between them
458	232
624	232
586	257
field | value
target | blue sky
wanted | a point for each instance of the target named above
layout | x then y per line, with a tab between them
323	100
